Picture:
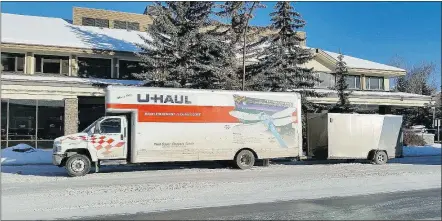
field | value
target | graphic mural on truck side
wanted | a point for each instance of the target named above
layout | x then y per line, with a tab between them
275	117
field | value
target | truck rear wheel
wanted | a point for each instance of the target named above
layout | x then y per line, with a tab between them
245	159
78	165
380	157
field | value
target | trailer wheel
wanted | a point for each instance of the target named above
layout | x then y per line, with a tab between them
78	165
245	159
380	157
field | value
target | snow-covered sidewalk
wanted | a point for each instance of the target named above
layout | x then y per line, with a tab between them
430	150
23	154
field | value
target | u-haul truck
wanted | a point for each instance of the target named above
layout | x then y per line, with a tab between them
144	124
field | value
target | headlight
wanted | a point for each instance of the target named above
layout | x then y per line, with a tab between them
56	148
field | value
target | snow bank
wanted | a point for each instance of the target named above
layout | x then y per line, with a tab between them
413	151
24	154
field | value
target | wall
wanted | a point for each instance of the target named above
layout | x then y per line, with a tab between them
78	13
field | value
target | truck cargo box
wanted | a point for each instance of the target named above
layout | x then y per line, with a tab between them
353	136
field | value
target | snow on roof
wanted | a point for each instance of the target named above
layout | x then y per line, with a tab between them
370	93
353	62
74	80
35	30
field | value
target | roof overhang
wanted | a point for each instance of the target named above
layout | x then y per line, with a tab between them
331	63
375	98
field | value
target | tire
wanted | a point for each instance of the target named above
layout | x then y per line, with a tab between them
78	165
245	160
380	157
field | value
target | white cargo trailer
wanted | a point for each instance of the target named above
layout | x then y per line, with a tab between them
145	124
354	136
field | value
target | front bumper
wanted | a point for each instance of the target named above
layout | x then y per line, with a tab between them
57	159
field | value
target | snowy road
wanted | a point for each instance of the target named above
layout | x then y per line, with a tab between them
43	192
410	205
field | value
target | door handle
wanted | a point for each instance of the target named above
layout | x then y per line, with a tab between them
121	136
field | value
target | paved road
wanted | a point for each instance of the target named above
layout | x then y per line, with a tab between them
411	205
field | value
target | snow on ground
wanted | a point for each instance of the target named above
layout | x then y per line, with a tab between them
44	192
430	150
25	154
38	156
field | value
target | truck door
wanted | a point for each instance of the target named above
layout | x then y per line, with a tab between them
110	140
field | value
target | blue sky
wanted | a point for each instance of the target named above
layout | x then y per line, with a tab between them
376	31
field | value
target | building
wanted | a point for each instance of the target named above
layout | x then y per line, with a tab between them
52	69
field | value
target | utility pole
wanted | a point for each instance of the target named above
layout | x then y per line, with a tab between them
244	47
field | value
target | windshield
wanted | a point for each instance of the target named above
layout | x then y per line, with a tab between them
87	130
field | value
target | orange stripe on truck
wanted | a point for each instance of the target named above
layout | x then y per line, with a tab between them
180	113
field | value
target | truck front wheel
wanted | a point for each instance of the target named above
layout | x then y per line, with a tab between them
78	165
245	159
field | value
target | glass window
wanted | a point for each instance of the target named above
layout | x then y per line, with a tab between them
38	64
353	81
120	24
89	110
127	68
3	144
4	119
374	83
110	126
328	80
103	23
94	67
13	62
20	64
22	120
88	21
133	26
48	64
50	119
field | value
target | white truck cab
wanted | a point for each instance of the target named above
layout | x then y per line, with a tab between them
105	139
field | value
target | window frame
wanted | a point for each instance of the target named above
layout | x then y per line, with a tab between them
95	22
110	67
331	82
34	141
355	77
381	81
100	130
52	60
127	25
15	56
119	69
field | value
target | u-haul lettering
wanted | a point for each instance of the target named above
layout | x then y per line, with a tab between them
163	99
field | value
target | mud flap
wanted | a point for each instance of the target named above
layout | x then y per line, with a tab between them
97	166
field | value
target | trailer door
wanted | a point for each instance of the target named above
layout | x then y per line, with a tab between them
110	140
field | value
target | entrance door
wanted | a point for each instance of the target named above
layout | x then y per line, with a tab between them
110	140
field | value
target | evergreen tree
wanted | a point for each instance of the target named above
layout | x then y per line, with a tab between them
281	64
242	40
343	105
280	67
181	52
